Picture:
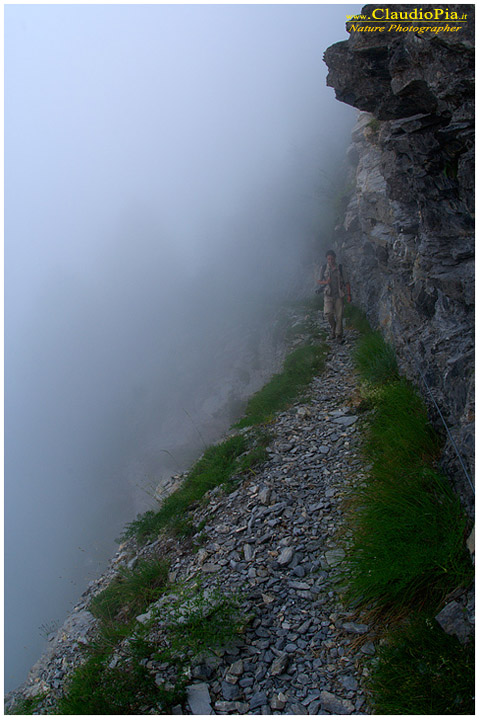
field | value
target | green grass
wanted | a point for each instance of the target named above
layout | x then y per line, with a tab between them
27	706
216	466
375	359
423	671
408	549
131	591
96	689
209	621
299	369
408	526
356	318
400	437
197	622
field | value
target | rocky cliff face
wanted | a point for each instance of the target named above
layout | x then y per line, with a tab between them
408	232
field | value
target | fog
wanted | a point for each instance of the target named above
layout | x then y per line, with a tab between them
162	175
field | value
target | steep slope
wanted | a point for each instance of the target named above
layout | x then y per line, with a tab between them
273	541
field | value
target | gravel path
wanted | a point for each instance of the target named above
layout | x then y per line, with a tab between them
273	540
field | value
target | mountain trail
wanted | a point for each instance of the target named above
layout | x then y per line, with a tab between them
274	542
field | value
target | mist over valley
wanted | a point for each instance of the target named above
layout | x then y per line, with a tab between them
164	168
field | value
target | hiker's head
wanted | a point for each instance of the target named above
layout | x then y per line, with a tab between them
331	257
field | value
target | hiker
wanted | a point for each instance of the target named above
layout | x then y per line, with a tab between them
336	289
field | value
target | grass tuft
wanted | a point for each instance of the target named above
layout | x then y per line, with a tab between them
97	689
356	318
408	548
117	680
209	619
400	437
27	706
215	467
375	359
407	551
299	369
408	525
423	671
131	591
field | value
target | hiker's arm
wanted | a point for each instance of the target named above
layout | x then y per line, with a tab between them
317	274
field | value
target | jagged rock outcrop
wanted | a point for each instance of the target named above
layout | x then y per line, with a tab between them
408	232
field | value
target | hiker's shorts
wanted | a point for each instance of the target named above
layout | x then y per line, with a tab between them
333	312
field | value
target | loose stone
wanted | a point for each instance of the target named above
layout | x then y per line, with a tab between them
335	705
258	700
285	556
272	541
333	557
357	628
198	698
280	664
278	702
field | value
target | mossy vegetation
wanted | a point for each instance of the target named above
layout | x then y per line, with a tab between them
374	125
208	618
407	551
97	689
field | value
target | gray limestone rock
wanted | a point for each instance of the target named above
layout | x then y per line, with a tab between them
247	552
335	705
198	698
258	700
333	557
346	420
454	621
236	668
278	701
349	682
230	691
285	556
280	664
410	251
357	628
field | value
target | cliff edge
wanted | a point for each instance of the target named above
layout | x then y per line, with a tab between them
407	235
